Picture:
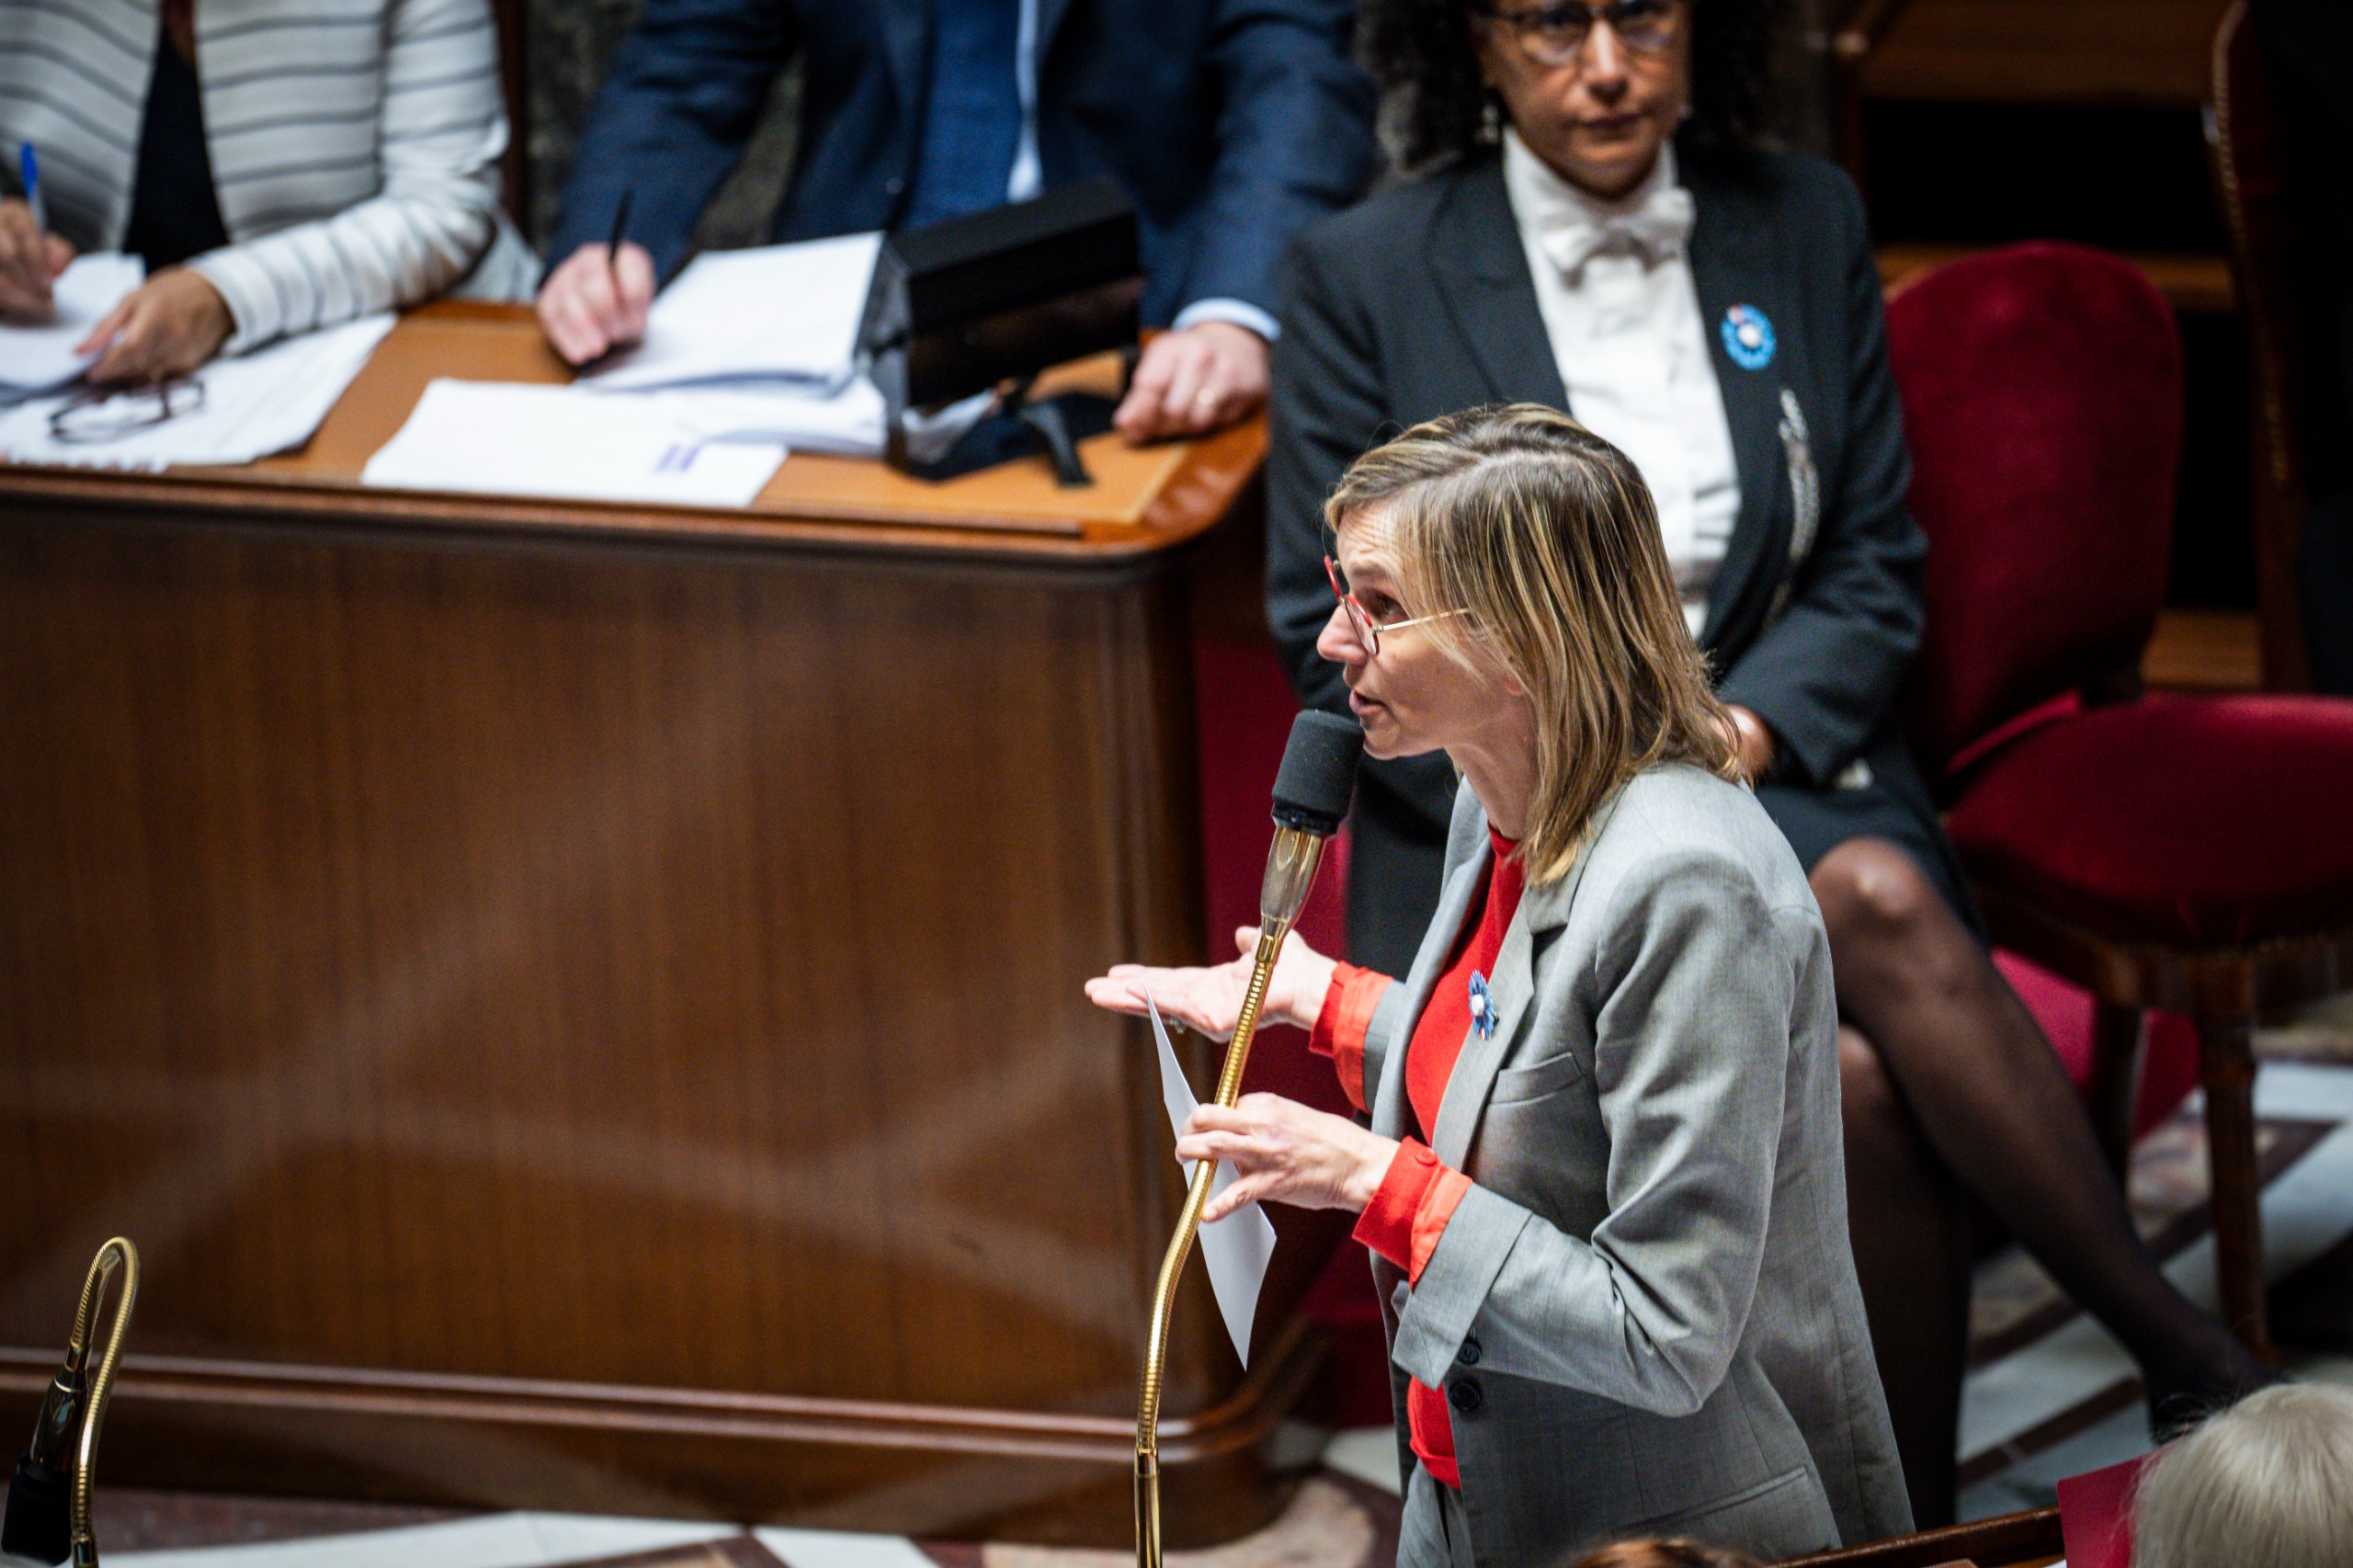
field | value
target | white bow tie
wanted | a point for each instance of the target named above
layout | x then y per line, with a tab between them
1571	233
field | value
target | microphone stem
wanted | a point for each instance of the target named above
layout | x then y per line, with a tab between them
1290	868
117	1253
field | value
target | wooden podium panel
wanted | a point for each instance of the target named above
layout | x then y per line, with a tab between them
580	1006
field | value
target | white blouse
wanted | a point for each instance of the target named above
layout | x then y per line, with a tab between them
1613	282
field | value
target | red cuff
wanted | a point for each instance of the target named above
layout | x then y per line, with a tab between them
1346	1019
1430	1215
1409	1211
1387	1224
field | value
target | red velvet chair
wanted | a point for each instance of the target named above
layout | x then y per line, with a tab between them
2187	854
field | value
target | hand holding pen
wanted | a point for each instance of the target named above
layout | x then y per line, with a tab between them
30	257
597	298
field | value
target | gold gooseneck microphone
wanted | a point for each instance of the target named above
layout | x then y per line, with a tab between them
1312	793
49	1498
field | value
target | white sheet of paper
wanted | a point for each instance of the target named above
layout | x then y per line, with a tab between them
775	312
253	405
39	357
849	420
1237	1248
507	439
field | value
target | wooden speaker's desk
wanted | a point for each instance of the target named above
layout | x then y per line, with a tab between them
580	1005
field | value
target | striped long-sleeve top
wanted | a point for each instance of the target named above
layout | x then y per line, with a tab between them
354	143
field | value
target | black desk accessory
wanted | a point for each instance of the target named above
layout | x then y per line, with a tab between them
975	303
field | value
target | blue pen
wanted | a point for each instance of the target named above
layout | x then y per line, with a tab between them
29	168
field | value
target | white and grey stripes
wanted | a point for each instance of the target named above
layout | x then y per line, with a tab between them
355	144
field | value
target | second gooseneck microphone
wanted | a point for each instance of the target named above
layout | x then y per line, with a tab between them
1312	792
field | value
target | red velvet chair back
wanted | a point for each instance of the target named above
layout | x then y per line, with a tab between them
2041	389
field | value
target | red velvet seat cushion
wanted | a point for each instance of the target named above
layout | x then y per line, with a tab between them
2192	822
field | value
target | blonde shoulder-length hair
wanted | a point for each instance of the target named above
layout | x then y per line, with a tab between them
1545	534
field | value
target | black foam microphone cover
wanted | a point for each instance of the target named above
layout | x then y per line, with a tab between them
39	1520
1319	772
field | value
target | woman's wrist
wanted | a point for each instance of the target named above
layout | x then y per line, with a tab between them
1375	1154
1308	982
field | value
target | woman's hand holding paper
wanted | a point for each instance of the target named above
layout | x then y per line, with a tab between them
1283	1151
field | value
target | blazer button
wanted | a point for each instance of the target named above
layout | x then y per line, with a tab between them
894	185
1469	1353
1464	1395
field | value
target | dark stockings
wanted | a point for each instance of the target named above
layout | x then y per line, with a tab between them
1910	1230
1991	1101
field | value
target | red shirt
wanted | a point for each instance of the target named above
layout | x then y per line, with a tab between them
1418	1195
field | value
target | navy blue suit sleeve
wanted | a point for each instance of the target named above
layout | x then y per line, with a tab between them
1826	674
1295	141
679	100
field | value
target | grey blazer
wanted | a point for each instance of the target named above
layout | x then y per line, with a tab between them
1645	1314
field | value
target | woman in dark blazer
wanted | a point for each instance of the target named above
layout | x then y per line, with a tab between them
1595	229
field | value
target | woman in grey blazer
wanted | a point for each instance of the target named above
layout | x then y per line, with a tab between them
1594	229
1602	1176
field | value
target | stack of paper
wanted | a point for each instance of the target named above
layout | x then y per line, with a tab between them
761	347
250	406
782	318
39	357
512	440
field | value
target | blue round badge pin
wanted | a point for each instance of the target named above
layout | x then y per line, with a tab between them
1483	1006
1748	338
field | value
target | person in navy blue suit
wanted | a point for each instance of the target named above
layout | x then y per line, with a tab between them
1231	123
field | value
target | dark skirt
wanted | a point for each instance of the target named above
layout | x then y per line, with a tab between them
1816	822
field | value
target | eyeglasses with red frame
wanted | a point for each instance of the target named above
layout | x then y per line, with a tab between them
1360	620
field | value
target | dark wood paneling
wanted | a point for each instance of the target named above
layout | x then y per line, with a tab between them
585	1010
2098	51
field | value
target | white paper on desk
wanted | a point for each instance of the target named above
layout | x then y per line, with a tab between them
784	314
849	422
39	357
1237	1248
509	439
254	404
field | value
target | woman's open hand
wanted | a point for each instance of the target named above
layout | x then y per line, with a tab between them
1209	999
1284	1153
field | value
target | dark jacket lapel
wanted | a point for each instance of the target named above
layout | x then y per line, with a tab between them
1481	274
1050	20
1732	263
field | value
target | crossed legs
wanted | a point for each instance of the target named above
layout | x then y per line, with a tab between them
1966	1097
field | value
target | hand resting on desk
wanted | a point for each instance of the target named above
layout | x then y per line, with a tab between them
165	327
30	262
1190	382
590	304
